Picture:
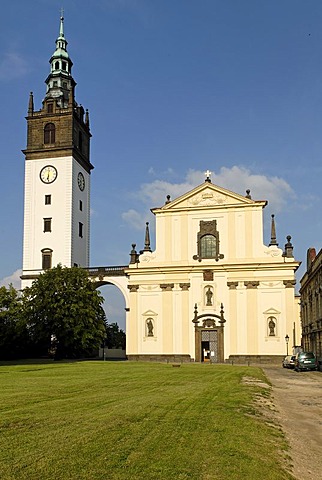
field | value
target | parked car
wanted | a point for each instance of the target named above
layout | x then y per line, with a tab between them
289	361
305	361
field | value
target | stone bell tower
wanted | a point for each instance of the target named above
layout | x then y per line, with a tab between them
57	174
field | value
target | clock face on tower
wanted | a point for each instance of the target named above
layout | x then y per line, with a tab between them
48	174
81	181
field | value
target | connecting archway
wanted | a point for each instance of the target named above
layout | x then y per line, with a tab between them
115	276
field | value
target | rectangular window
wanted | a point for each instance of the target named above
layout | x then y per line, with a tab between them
46	258
50	108
47	224
80	230
81	205
46	262
47	199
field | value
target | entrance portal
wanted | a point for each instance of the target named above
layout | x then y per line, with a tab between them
209	345
209	337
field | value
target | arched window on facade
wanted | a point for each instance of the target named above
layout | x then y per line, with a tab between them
49	133
208	246
46	258
208	241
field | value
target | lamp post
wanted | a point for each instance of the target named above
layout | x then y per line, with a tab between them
287	339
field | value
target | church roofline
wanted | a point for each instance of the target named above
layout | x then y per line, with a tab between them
175	204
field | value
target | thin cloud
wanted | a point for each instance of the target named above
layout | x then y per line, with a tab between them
237	179
12	66
274	189
168	172
154	194
135	219
13	279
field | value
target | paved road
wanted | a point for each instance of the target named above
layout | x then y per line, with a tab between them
298	399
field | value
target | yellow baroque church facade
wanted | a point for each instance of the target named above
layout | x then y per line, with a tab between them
211	290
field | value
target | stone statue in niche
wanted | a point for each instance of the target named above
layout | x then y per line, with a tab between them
209	296
271	327
149	325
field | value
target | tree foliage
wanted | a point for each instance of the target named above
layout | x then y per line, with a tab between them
64	313
115	337
13	332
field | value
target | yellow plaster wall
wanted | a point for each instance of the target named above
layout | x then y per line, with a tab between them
246	258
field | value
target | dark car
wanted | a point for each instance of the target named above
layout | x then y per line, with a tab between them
289	361
305	361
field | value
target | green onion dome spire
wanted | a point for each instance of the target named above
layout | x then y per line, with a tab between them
60	83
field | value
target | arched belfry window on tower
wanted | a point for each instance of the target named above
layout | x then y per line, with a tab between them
56	65
49	133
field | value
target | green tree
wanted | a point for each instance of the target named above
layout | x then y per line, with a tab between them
64	313
13	332
115	337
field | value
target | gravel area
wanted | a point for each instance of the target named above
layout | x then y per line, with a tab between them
297	398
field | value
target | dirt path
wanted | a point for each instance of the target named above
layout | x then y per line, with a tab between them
298	400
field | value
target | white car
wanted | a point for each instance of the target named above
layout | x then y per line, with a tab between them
289	361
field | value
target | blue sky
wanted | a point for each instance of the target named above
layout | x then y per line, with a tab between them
174	87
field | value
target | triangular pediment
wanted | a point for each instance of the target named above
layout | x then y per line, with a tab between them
208	195
149	313
272	311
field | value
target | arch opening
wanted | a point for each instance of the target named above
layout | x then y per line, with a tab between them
114	303
114	306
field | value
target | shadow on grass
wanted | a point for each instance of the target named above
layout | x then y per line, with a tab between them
51	361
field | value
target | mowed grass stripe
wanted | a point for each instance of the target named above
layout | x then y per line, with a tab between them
122	420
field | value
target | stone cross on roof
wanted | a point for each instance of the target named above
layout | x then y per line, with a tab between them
208	175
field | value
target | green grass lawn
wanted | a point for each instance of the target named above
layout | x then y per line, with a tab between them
134	421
